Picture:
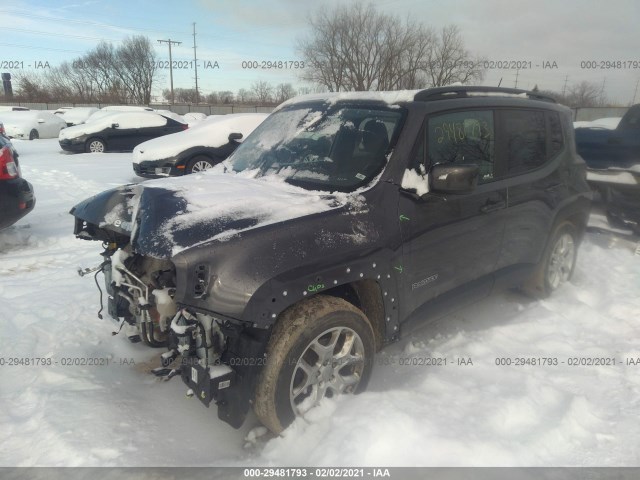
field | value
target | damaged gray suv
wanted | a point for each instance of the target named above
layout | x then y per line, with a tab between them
272	279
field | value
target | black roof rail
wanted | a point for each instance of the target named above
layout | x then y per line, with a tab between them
461	91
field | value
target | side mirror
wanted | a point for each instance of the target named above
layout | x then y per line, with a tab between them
114	125
448	178
235	136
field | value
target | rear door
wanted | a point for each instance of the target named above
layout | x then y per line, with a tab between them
451	239
533	142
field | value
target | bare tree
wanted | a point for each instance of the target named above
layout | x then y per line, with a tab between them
135	65
262	91
31	87
358	48
181	95
244	96
449	62
284	91
225	96
585	94
582	94
104	74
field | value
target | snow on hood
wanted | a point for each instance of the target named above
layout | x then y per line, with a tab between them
174	214
125	119
212	132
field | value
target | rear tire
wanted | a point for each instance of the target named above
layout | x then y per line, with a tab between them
320	347
34	135
557	264
199	163
95	145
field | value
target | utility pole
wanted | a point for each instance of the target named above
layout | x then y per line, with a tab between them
564	88
170	42
635	93
517	73
195	62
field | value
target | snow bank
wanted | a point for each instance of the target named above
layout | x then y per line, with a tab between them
212	132
412	414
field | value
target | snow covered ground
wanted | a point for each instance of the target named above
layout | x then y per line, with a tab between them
448	415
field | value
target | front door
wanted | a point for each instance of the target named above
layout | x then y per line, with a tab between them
451	239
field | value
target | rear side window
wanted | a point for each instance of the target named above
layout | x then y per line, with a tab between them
465	138
525	138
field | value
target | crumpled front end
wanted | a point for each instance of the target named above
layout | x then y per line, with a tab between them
217	357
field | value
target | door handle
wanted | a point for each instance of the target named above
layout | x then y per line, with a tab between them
553	187
492	207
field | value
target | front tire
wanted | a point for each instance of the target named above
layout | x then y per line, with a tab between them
34	135
319	348
199	163
557	264
96	145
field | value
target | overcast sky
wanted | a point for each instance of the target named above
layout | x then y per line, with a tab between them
565	32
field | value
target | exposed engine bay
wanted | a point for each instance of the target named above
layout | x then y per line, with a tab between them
141	294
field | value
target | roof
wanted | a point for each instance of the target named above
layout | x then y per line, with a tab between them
429	94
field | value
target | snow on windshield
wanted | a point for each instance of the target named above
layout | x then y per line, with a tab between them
339	148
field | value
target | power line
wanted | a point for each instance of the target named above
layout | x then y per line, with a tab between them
54	34
39	48
170	42
87	22
195	60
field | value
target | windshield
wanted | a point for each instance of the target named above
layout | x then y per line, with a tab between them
339	148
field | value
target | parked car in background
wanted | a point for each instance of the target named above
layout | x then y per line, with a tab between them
194	117
16	194
170	114
78	115
620	192
604	148
61	110
32	124
127	108
607	123
104	111
118	131
199	148
11	108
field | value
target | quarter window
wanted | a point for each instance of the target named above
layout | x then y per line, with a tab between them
556	139
525	136
465	138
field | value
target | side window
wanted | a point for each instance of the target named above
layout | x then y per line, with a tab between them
465	138
556	138
631	119
525	137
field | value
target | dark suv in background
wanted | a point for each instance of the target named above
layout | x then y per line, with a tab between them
275	277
